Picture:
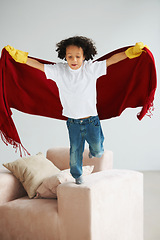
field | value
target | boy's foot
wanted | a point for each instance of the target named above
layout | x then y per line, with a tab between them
79	180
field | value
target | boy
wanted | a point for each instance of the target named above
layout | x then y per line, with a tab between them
76	81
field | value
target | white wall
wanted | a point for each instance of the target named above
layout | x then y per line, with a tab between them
36	26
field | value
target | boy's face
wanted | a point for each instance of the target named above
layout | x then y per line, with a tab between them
74	57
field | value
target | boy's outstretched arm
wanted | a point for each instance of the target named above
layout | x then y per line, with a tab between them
116	58
131	52
22	57
34	63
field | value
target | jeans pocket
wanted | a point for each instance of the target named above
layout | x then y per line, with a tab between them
96	122
68	124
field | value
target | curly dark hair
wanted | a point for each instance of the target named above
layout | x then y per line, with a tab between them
88	46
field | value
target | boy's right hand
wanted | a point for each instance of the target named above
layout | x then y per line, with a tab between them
17	55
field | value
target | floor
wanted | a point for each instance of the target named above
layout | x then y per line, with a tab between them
151	205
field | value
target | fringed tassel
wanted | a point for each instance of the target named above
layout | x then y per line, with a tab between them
150	111
17	146
148	107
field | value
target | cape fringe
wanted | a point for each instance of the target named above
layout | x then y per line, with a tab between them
149	104
17	146
150	111
148	108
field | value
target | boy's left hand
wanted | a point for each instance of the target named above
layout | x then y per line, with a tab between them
135	51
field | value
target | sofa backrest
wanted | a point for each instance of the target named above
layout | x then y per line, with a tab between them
60	157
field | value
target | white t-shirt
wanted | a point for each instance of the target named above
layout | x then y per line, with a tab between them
77	88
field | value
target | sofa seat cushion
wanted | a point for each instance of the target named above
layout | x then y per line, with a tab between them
26	218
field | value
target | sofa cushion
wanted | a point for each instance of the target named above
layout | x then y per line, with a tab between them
26	218
31	171
61	158
48	189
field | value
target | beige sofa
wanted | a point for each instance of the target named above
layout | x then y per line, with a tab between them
109	205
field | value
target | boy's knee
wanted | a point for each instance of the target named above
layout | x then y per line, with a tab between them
99	155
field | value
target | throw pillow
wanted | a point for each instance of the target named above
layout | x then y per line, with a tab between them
48	189
31	171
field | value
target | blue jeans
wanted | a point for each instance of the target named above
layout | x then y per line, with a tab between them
88	129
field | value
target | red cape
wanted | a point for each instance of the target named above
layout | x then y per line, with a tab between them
129	83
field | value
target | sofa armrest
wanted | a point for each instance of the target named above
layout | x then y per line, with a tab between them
10	187
109	205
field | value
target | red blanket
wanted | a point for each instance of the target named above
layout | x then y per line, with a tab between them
129	83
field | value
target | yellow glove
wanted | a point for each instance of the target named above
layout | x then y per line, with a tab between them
17	55
135	51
